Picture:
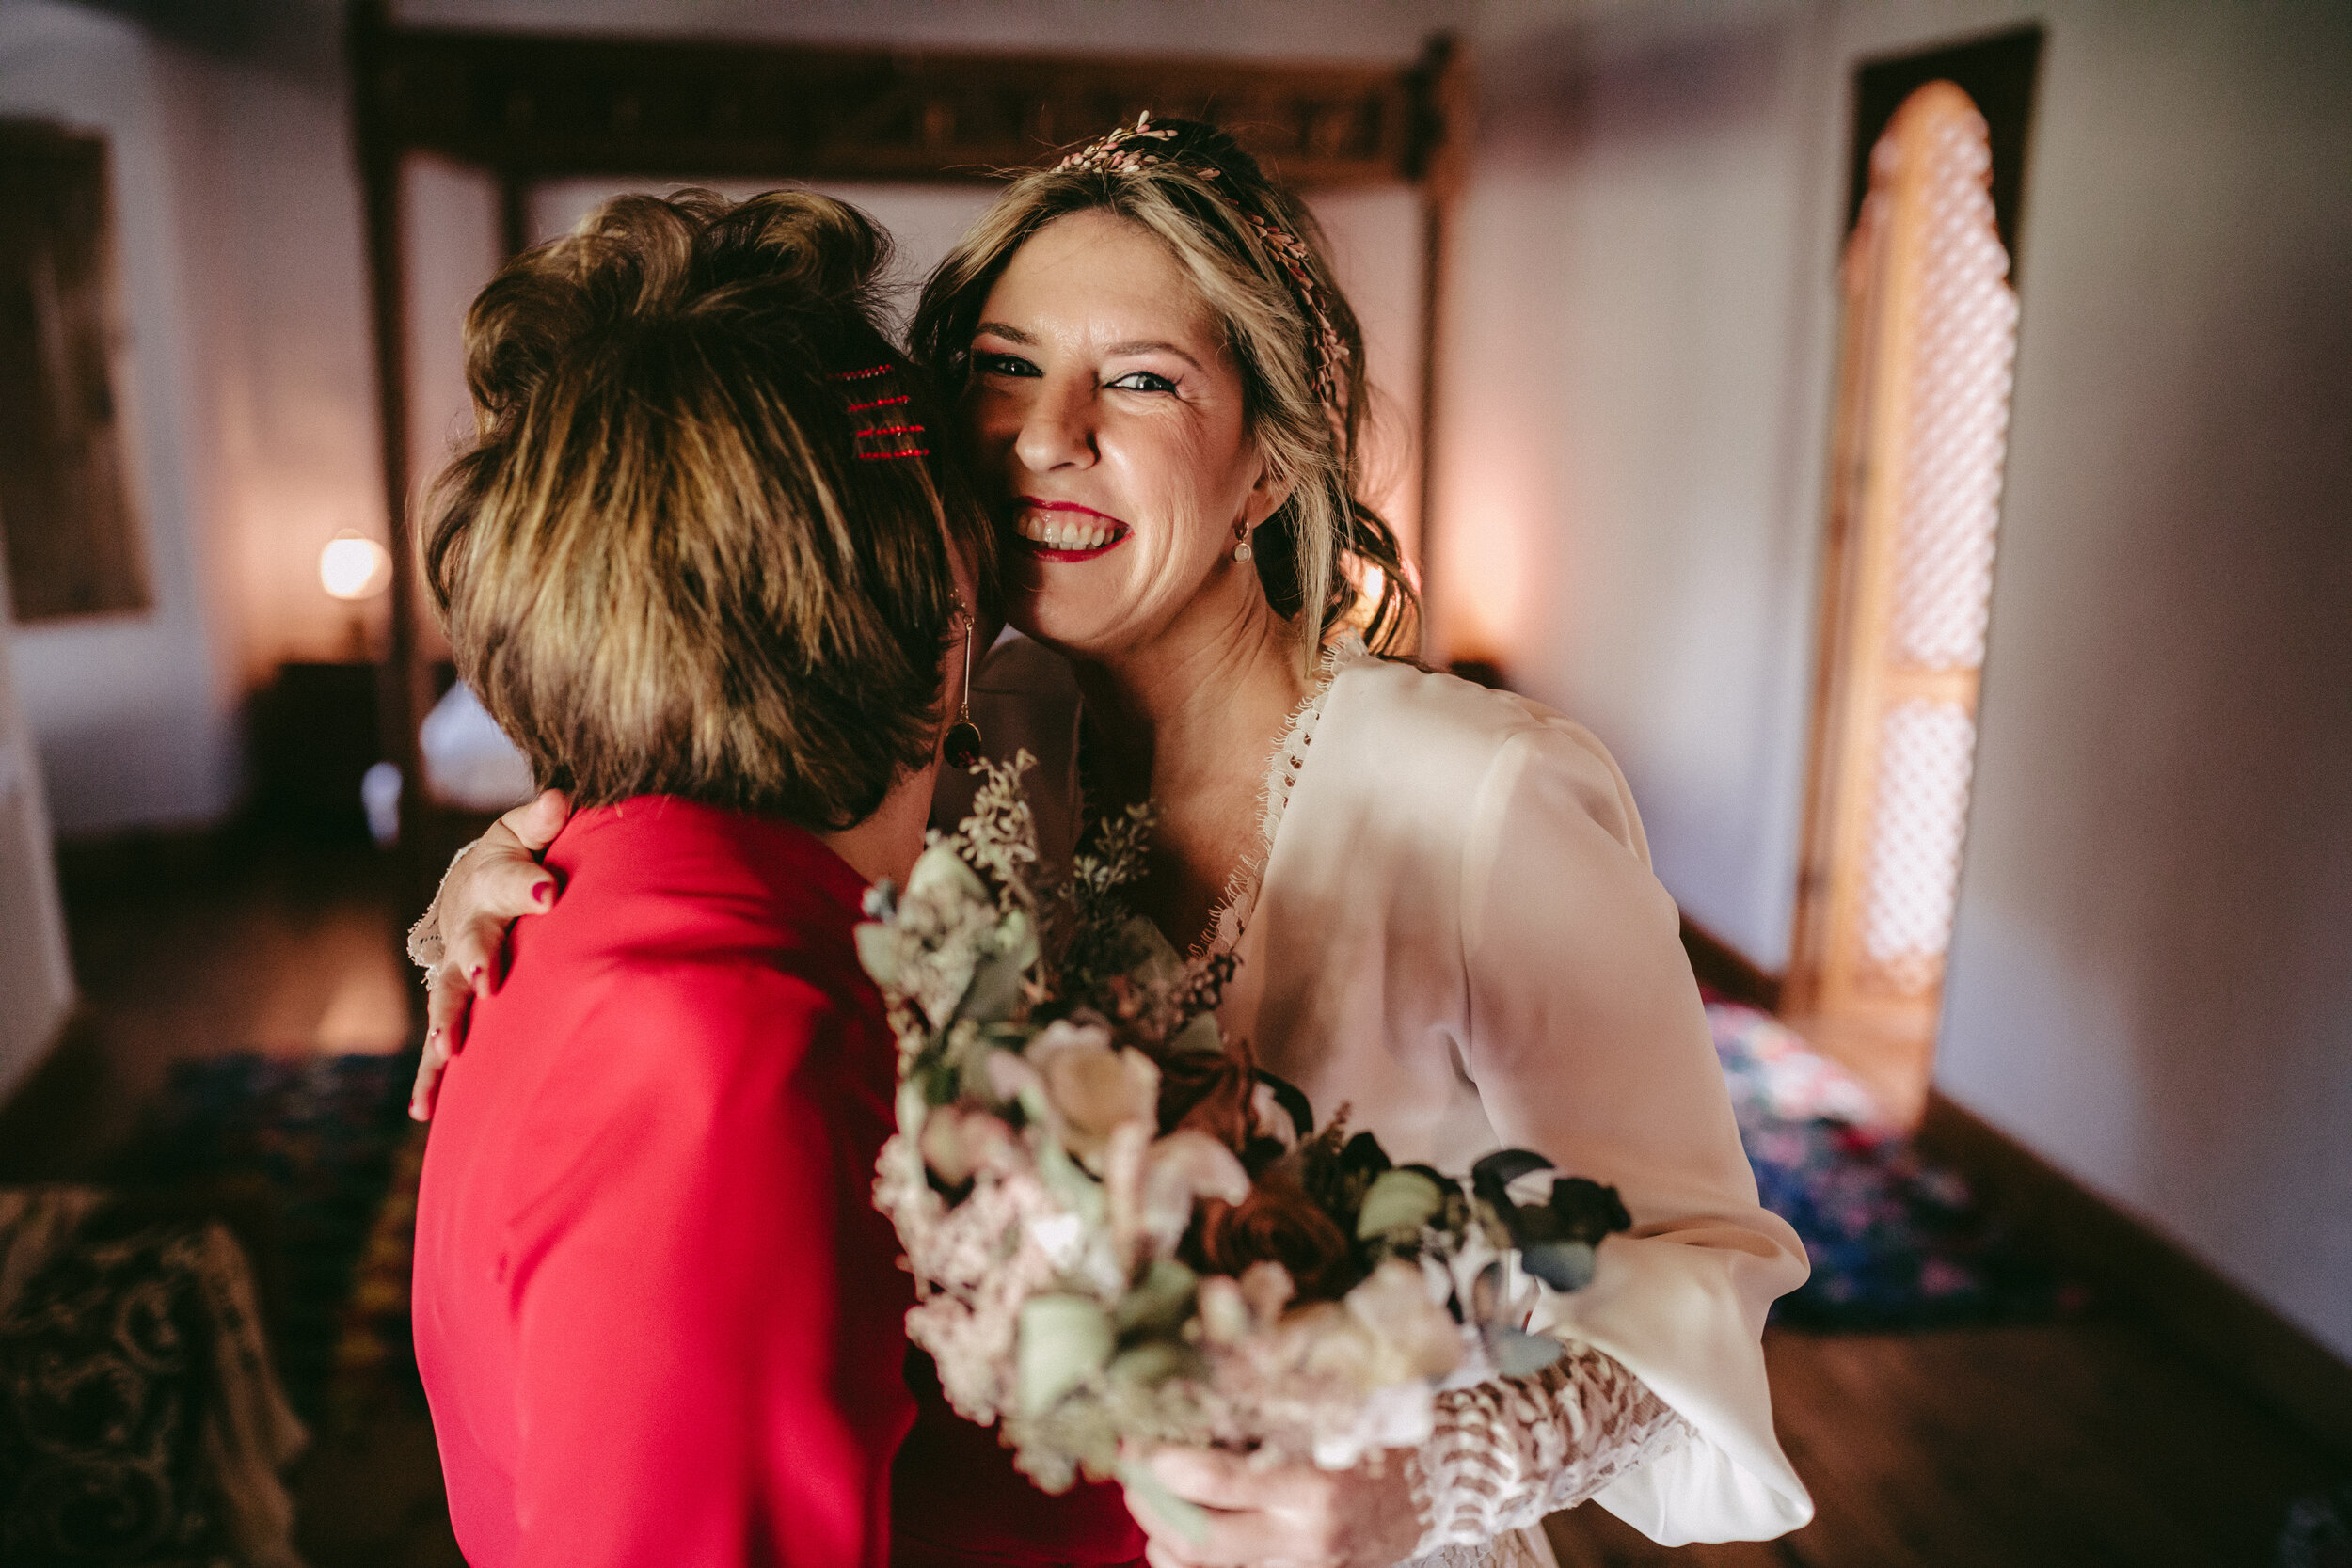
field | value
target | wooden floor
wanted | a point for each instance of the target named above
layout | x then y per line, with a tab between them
2080	1444
2085	1442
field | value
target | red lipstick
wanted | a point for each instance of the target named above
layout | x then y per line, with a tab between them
1064	531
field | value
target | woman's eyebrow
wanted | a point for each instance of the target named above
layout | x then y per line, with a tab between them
1154	346
1139	345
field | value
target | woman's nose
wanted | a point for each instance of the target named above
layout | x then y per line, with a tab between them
1056	430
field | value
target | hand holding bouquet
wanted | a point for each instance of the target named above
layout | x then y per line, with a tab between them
1124	1233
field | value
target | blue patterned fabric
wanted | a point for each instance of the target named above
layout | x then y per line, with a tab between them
1894	1242
318	1136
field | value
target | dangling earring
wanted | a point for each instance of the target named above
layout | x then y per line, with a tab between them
962	747
1241	547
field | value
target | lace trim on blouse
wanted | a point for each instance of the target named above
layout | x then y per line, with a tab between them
1509	1451
1229	917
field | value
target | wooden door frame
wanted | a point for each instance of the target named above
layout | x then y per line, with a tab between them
1998	73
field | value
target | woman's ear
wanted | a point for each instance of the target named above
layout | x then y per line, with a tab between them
1266	495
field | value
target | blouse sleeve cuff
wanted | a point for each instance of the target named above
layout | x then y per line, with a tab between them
1684	1312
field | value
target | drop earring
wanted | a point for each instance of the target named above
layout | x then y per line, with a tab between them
962	747
1241	545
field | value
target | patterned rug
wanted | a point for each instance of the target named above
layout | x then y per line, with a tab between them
375	1355
140	1423
1895	1242
319	1139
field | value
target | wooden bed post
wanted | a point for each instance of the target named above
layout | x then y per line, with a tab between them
404	695
1440	131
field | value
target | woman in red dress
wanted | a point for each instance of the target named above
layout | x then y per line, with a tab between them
699	564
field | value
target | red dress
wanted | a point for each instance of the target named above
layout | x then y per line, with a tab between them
657	1315
956	1501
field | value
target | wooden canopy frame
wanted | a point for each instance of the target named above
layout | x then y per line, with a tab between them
532	108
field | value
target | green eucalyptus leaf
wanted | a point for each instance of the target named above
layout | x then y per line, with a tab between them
877	952
1200	1037
1586	1209
1063	1341
1517	1353
940	874
1562	1265
1185	1516
1398	1201
1159	1301
995	990
1065	1179
1016	938
1153	1362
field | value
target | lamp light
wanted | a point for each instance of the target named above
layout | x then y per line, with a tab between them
353	566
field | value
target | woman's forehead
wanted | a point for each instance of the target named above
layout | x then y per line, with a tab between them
1105	274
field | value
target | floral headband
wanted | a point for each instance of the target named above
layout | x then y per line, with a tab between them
1115	153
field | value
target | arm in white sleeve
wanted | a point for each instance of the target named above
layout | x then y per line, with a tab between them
1588	1044
1510	1451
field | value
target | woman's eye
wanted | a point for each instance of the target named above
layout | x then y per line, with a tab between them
1004	364
1143	381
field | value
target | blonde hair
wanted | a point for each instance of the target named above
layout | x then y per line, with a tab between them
1196	193
675	559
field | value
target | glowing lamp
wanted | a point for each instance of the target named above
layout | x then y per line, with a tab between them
353	566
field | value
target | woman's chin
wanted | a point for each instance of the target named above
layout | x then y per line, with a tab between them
1073	630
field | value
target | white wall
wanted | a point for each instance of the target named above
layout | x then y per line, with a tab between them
132	713
36	981
2151	977
244	375
1629	426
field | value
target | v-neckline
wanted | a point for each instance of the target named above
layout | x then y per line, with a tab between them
1229	917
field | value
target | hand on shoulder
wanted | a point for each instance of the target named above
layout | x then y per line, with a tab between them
496	881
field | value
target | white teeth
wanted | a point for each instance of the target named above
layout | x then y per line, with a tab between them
1056	535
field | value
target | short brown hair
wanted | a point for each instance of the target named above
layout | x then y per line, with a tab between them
699	546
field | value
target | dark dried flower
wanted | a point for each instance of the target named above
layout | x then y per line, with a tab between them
1278	1224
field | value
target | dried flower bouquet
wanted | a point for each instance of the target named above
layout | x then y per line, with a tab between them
1123	1232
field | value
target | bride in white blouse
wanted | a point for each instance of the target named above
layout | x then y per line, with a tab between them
1440	895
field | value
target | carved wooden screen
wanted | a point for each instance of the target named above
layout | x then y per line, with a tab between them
1923	421
65	506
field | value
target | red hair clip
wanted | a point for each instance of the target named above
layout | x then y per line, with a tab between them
900	436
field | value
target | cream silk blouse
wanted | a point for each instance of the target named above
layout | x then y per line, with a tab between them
1456	933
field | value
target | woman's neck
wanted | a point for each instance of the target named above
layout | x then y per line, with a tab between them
1187	721
885	845
1179	709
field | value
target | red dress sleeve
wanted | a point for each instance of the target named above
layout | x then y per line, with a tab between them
706	1306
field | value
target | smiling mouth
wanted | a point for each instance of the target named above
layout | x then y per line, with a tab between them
1048	531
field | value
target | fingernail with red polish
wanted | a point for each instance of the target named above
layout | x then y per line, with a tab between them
539	894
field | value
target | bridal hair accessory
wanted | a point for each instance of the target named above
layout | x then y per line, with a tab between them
884	430
1241	545
1116	152
963	746
1123	1233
